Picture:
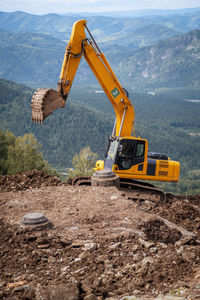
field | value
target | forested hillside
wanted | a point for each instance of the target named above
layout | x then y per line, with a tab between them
63	134
160	117
31	58
170	63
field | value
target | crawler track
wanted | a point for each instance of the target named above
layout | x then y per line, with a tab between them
141	191
81	180
133	189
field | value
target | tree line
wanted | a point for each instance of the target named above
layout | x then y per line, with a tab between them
20	154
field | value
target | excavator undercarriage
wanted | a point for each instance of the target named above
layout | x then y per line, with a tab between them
133	189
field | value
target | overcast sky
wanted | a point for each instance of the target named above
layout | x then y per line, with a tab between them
66	6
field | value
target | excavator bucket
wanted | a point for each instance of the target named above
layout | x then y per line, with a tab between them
44	102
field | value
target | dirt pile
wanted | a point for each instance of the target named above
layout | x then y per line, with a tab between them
102	245
27	180
187	212
157	231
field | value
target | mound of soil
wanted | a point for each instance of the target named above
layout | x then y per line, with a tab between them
27	180
182	211
156	230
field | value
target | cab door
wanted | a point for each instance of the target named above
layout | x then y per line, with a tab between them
131	156
139	156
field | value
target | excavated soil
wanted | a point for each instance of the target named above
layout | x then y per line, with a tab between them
101	245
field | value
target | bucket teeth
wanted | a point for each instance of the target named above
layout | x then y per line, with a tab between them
43	103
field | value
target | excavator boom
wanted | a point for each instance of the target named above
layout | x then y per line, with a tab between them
45	101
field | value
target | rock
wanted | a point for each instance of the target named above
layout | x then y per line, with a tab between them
118	275
80	271
115	246
188	254
135	248
104	280
97	282
197	276
77	244
147	205
65	243
153	250
64	269
113	197
100	259
22	288
69	291
51	259
78	259
146	244
86	286
180	250
162	245
90	246
187	240
43	246
15	284
144	265
136	257
84	254
2	284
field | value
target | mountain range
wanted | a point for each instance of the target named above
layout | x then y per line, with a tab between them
183	21
153	56
169	63
142	12
152	50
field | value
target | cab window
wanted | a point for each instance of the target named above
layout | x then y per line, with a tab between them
140	149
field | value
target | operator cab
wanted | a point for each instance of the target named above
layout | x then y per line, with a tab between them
124	153
129	159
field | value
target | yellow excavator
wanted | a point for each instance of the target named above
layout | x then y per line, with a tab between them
127	155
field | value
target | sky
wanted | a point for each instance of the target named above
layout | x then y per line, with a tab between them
67	6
